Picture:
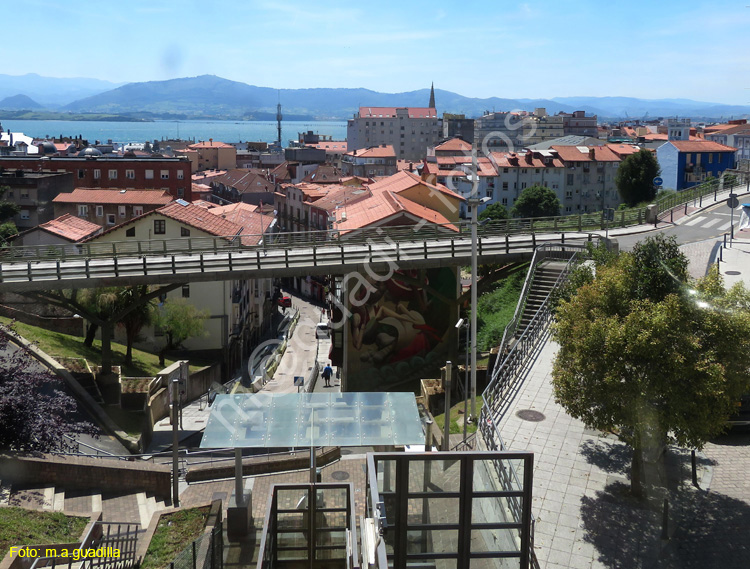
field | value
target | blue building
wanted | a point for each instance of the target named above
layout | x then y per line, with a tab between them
687	163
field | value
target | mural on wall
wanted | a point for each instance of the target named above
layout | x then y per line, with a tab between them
400	331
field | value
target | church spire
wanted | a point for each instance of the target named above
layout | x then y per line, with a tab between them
432	96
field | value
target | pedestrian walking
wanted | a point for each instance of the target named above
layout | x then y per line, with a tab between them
327	373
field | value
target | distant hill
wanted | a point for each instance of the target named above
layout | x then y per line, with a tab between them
212	96
18	103
52	92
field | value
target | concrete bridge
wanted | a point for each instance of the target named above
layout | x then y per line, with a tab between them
381	251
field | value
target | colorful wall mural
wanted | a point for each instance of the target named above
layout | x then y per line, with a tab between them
397	330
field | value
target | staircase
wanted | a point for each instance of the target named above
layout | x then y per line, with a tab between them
136	509
542	283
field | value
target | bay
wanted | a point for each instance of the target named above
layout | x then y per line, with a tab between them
221	131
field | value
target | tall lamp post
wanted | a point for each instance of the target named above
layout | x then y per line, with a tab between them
474	202
461	324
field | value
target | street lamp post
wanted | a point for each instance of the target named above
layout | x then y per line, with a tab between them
460	324
474	202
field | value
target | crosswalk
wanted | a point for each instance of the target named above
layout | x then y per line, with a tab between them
712	223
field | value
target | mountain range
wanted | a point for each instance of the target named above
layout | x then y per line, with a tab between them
211	96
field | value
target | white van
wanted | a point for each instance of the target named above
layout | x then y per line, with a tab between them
322	330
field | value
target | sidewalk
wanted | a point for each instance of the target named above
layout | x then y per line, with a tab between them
298	360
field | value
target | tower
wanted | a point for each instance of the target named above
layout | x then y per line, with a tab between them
278	122
432	96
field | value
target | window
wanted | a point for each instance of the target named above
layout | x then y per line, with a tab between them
165	174
180	192
570	179
505	201
505	186
569	194
184	232
488	192
111	219
130	232
523	185
149	174
137	210
568	209
130	174
180	174
186	291
99	211
24	214
160	226
537	171
83	211
81	174
121	210
97	174
523	170
113	174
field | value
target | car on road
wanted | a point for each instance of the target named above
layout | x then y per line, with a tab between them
322	330
285	301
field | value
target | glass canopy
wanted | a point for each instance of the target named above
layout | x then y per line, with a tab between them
312	419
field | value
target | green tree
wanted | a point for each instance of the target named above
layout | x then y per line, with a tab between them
179	320
635	177
7	211
494	211
536	201
134	321
645	357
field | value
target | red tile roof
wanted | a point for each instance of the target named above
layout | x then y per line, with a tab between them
245	181
700	146
207	175
117	197
210	144
198	217
246	216
527	160
70	227
341	195
454	145
390	112
385	151
330	145
404	180
324	174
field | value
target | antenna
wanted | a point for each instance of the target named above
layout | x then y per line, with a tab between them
278	119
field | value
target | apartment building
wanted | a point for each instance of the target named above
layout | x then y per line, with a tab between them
114	172
408	130
109	207
34	192
370	162
214	155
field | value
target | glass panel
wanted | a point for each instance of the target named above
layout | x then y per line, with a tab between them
433	510
498	475
332	497
496	563
495	540
295	521
492	510
330	520
313	419
432	541
291	499
434	475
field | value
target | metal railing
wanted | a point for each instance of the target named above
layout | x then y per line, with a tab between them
206	552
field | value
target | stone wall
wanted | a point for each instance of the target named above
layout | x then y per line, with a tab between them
77	472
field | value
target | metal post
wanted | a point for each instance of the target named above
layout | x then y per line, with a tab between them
694	466
466	388
474	269
447	415
239	490
175	444
731	221
313	477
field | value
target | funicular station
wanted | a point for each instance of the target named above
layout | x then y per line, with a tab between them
417	509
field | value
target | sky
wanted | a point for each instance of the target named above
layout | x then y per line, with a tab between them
648	49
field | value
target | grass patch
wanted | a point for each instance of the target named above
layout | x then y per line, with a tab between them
65	346
129	421
458	411
496	308
28	527
175	532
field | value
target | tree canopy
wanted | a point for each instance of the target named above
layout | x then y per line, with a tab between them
647	357
635	177
494	211
536	201
34	411
7	211
179	321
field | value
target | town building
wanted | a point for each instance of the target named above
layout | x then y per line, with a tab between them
250	186
458	126
540	127
238	310
370	162
62	230
736	134
408	130
215	155
109	207
499	131
97	171
579	123
34	191
687	163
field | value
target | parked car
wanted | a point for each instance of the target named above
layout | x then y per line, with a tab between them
285	301
741	417
322	330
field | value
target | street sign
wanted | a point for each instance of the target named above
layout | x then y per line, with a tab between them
732	201
299	381
658	181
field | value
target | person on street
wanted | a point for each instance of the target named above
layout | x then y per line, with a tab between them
327	373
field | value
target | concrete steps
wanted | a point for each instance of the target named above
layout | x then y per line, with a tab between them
148	505
543	282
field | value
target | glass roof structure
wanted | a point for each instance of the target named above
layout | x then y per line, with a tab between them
271	420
